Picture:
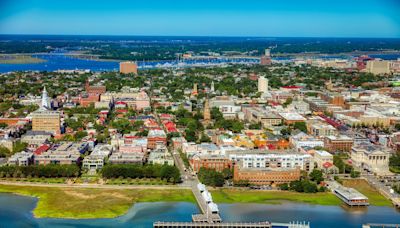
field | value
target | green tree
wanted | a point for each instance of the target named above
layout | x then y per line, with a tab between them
211	177
309	187
354	174
80	135
256	126
4	152
301	126
288	101
19	146
204	138
317	176
284	187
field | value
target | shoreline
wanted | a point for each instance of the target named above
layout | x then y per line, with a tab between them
93	201
14	59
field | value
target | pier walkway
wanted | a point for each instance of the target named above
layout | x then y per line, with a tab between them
207	215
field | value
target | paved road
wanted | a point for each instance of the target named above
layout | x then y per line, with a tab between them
381	187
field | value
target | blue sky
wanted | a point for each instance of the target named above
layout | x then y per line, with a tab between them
286	18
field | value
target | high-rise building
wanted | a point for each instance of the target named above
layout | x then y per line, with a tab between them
378	67
207	113
266	58
268	52
262	84
46	120
128	67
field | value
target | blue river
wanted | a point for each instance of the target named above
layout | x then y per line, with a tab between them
16	212
59	61
54	62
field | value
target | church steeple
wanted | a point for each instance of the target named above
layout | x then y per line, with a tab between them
45	99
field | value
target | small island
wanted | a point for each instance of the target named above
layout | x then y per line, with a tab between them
19	59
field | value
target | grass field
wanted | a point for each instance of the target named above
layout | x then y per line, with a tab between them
79	203
37	180
375	198
19	59
273	197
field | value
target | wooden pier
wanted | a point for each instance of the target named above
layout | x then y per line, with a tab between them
207	215
210	216
231	224
377	225
396	202
210	225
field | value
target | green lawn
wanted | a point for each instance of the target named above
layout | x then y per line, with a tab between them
60	180
273	197
79	203
374	197
394	169
143	181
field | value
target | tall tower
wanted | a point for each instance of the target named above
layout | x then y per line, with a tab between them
266	58
206	112
212	87
45	99
329	85
268	52
262	84
194	92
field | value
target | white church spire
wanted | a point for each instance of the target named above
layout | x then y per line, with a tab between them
45	99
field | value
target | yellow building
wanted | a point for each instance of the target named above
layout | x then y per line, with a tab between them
378	67
46	120
374	119
128	67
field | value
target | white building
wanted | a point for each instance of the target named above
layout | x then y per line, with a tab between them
276	159
322	157
96	159
304	140
161	156
21	159
372	158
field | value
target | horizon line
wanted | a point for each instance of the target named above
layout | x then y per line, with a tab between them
221	36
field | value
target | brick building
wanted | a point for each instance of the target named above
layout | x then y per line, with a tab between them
215	162
155	137
338	143
265	176
128	67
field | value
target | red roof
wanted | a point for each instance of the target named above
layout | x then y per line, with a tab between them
121	110
273	103
131	136
41	149
271	147
292	87
165	115
121	102
327	165
172	129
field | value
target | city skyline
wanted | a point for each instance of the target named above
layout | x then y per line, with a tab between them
366	19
